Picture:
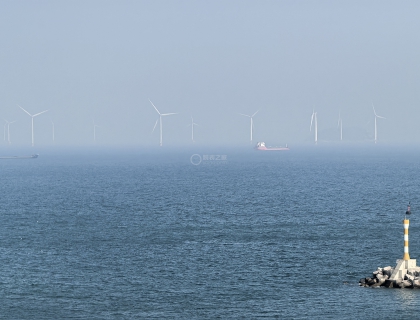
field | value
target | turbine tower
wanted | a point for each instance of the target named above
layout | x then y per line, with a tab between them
160	121
8	129
192	128
340	125
252	121
315	121
94	130
376	117
32	116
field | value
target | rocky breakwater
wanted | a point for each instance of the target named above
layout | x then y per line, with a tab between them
381	278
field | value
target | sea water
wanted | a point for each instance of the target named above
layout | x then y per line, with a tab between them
246	235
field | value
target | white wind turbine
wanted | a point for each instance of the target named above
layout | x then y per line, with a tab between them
32	116
252	121
192	128
8	123
340	125
376	130
94	130
315	121
160	121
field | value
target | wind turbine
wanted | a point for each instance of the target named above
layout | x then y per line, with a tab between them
160	121
340	124
8	129
252	121
192	128
94	130
315	121
376	116
32	116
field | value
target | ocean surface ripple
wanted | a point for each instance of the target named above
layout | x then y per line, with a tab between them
279	235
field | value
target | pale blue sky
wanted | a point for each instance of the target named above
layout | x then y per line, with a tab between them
212	60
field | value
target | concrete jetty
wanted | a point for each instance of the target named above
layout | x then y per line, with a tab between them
406	273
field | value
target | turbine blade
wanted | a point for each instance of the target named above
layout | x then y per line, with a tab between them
255	113
154	107
155	125
24	110
374	110
167	114
39	113
381	117
245	115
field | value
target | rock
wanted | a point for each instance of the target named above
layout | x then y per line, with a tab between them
387	271
389	283
362	281
380	277
380	282
408	277
371	282
406	284
388	274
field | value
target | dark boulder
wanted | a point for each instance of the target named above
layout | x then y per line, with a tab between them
389	283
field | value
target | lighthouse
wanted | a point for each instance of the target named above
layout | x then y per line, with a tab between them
405	263
406	225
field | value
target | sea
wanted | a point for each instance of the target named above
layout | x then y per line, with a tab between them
207	234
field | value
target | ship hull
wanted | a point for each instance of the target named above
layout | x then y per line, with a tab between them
272	149
21	157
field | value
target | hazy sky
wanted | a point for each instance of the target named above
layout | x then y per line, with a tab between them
212	60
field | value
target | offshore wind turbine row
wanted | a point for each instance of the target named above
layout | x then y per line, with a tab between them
314	121
313	124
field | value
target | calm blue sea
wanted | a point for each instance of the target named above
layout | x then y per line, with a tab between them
247	235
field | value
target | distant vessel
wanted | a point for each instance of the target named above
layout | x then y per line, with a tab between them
261	147
21	157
